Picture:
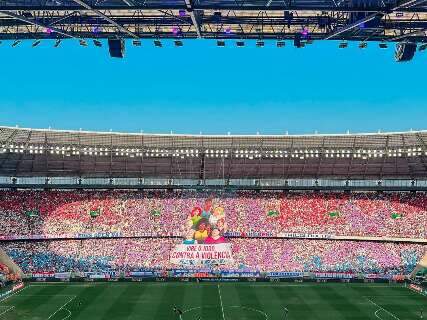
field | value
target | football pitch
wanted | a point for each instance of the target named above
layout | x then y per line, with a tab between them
212	301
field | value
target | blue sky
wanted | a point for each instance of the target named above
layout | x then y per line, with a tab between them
202	88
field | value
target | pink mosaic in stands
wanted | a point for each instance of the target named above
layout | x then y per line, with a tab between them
248	254
165	213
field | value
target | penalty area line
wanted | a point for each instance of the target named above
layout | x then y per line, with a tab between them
62	307
381	308
7	310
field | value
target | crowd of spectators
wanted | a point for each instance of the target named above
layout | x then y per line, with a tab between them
161	213
103	255
6	274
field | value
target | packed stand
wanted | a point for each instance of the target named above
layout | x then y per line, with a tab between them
263	255
161	213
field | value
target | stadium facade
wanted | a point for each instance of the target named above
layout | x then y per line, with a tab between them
56	157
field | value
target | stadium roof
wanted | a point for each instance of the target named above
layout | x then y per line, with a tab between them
380	20
33	152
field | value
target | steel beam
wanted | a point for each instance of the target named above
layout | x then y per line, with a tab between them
415	33
100	14
353	25
409	4
194	18
36	23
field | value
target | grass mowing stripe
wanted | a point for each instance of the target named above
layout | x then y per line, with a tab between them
220	300
61	308
154	301
249	300
210	308
123	306
349	302
173	296
31	305
294	299
86	297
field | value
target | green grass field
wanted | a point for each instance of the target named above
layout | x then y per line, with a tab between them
212	301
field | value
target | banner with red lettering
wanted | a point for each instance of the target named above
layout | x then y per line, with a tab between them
201	254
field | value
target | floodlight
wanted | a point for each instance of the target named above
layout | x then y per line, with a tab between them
178	43
158	43
36	43
363	45
15	43
422	47
83	43
280	43
220	43
137	43
343	45
97	43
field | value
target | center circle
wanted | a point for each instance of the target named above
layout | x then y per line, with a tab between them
212	312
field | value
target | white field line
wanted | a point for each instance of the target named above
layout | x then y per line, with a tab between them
242	307
251	309
63	306
207	283
47	295
7	310
381	308
69	314
220	300
376	314
16	292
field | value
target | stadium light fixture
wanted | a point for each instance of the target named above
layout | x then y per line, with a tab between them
220	43
260	44
422	47
15	43
83	43
280	44
158	43
137	43
383	45
343	45
97	43
178	43
57	43
240	44
36	43
363	45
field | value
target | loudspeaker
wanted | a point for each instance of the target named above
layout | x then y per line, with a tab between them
116	48
297	40
405	51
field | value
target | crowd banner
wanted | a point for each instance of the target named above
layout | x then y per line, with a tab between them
201	254
333	275
228	234
43	274
142	274
240	274
294	235
418	288
62	275
376	276
284	274
97	275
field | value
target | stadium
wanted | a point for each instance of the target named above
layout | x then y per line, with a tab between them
106	225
